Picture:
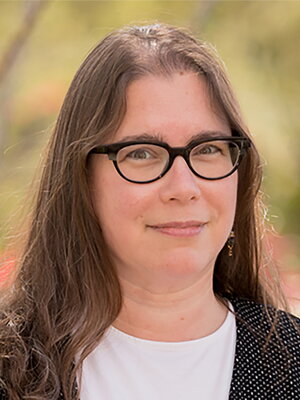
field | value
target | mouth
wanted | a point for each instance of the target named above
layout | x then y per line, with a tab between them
179	229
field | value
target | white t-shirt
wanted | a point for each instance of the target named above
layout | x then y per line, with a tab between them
124	367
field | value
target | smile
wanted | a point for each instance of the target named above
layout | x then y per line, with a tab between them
180	229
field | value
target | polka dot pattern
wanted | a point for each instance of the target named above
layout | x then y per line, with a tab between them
265	371
262	371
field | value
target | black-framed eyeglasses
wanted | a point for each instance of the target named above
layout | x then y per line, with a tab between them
146	161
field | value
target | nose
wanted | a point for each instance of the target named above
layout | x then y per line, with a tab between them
179	184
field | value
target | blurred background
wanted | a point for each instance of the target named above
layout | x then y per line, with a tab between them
43	42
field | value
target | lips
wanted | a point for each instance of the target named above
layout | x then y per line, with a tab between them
180	228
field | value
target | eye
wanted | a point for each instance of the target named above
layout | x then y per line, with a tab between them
207	149
140	154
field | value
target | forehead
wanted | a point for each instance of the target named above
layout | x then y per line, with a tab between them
173	107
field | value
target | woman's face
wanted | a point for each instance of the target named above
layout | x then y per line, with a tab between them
168	233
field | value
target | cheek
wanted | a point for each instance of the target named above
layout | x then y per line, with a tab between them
223	196
115	200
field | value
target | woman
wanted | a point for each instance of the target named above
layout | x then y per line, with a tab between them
142	276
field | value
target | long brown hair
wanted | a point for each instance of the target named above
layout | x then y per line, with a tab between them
66	293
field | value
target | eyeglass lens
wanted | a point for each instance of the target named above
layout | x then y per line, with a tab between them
144	162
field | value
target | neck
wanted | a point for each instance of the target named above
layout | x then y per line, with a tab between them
186	314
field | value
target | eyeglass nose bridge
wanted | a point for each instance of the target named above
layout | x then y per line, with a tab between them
175	152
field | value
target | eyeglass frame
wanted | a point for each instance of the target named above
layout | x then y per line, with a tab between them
112	151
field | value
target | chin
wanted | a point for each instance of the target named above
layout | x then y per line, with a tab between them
182	264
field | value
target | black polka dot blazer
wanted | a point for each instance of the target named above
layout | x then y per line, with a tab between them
261	371
265	372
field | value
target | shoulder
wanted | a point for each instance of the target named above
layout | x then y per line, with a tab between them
267	334
267	358
262	319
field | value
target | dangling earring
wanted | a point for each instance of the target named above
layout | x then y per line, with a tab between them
230	243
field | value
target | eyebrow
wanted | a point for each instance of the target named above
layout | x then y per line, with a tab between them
142	137
157	137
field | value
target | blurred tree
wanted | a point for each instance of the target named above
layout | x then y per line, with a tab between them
32	11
